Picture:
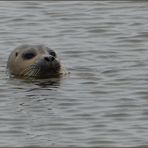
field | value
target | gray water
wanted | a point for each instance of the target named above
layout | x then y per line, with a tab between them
104	99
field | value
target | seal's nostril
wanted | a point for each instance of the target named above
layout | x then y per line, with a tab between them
48	59
52	58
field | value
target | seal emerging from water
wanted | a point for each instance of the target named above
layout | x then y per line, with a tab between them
37	61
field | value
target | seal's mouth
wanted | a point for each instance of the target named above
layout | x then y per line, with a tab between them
42	70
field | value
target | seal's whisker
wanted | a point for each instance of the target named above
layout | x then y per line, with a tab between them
29	71
25	70
33	71
35	74
28	75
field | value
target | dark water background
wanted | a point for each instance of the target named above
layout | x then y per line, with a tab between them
104	101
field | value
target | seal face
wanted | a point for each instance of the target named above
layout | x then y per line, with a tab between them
36	61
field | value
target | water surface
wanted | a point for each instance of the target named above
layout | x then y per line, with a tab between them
104	100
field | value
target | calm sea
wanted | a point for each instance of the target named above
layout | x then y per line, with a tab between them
104	99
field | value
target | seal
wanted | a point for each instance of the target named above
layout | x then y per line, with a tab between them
34	61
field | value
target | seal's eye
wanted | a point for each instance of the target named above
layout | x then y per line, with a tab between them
28	55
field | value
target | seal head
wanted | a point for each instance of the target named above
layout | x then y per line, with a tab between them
36	61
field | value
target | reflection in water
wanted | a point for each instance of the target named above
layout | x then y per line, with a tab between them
45	83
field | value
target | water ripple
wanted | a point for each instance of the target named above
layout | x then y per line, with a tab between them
103	101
